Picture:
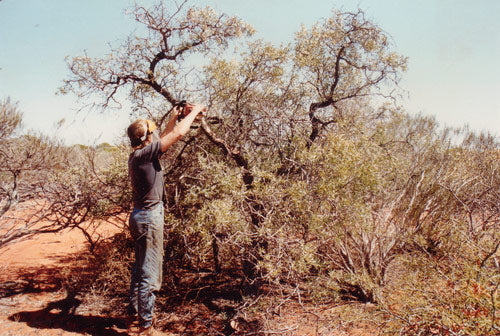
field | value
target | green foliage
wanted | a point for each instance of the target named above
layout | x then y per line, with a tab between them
346	55
309	181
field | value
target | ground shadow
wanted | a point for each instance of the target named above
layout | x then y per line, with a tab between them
60	314
197	302
73	274
93	325
69	271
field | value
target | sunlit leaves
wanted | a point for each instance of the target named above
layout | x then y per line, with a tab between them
346	56
258	73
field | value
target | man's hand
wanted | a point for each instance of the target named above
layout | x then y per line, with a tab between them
198	109
194	108
191	113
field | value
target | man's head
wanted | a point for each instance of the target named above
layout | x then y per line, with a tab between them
140	131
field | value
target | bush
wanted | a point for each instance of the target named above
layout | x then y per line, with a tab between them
453	293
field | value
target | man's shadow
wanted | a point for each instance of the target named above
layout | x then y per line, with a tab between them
61	315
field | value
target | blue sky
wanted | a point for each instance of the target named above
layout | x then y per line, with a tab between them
453	48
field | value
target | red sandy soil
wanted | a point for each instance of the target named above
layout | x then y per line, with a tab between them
25	298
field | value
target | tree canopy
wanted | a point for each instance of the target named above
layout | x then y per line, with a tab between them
305	173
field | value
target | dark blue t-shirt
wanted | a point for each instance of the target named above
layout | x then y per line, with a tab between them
146	176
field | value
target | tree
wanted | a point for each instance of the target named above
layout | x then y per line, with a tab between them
46	187
28	160
301	179
155	66
10	121
258	102
344	58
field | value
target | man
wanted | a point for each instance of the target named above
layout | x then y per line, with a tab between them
146	221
